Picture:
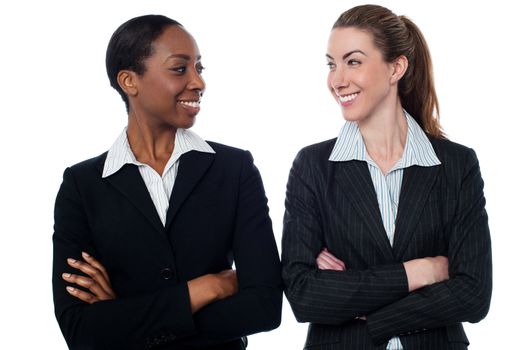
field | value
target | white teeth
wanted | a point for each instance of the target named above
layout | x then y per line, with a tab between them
348	98
194	104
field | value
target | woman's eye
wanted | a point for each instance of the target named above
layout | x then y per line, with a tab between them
331	65
200	69
180	70
353	62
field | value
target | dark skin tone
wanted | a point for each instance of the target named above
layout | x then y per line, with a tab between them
164	98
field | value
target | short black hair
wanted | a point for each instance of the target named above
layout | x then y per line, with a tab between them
131	44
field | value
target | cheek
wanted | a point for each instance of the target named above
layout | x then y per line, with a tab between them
176	88
377	79
329	84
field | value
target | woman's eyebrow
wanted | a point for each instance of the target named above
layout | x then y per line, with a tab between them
182	56
347	54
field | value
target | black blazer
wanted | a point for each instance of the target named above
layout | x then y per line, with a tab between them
441	212
218	214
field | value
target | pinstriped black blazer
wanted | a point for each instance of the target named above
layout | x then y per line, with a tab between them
441	212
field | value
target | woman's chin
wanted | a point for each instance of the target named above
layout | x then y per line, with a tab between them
187	123
351	117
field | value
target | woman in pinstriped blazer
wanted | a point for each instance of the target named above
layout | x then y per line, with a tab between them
386	242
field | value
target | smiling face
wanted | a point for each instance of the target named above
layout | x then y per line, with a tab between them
169	91
360	80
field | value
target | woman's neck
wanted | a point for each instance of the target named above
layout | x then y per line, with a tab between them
384	135
151	144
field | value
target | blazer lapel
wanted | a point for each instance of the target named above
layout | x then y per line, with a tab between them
416	186
355	179
192	166
129	182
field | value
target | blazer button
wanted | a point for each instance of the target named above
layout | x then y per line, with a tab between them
167	273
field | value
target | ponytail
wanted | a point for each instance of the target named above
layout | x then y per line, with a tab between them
417	87
396	36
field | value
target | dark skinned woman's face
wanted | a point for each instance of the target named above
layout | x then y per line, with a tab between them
170	89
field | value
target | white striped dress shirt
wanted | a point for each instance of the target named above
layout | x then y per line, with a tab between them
418	151
159	187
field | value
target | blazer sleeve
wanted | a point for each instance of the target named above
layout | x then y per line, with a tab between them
325	296
127	322
257	305
466	295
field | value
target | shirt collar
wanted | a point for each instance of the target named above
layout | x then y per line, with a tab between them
121	154
418	150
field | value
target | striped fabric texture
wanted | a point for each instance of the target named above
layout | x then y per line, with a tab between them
418	151
159	187
334	204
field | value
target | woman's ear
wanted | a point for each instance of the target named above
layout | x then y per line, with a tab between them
399	68
127	82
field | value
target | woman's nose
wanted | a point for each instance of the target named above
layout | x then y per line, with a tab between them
337	79
196	81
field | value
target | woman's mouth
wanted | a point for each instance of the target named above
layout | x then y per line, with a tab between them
191	106
347	100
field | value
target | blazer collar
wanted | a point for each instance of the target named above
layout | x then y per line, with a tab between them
193	165
416	187
355	180
129	182
356	183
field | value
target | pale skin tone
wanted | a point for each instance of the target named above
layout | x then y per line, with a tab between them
165	97
366	88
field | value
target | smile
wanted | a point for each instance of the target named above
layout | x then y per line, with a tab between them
193	104
348	98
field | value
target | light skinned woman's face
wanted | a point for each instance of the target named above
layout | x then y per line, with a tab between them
170	89
359	78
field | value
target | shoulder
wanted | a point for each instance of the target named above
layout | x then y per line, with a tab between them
313	161
459	162
318	151
230	157
225	150
88	167
452	153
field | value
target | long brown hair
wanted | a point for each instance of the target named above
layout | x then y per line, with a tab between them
396	36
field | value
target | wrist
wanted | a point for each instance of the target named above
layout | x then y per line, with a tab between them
416	273
203	290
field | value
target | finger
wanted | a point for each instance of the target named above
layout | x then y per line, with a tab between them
84	267
84	296
322	264
88	283
331	263
94	273
106	283
333	259
82	281
95	263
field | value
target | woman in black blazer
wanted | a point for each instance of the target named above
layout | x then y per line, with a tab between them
386	242
156	263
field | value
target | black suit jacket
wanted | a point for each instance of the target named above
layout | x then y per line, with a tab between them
218	214
441	212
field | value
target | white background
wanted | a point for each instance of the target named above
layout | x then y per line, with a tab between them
266	92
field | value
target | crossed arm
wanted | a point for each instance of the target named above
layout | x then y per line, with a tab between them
420	272
211	308
97	287
398	298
